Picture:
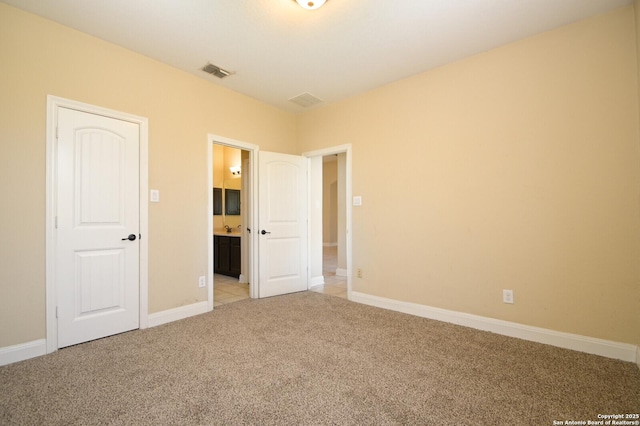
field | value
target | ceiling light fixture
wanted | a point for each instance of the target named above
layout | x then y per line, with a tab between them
311	4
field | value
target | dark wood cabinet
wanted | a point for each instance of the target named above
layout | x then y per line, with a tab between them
235	256
227	255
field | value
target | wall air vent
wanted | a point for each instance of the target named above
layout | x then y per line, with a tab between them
305	100
217	71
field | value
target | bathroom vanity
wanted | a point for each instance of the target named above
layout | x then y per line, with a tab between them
227	254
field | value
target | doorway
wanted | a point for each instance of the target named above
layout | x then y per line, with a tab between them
231	166
330	218
230	264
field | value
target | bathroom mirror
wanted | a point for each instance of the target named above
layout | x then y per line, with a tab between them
232	197
232	202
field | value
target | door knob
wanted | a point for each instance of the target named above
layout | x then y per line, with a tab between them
131	237
264	232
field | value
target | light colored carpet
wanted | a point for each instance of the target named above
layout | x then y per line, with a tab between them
309	358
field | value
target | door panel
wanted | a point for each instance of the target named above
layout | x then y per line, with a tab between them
283	218
97	267
100	177
100	286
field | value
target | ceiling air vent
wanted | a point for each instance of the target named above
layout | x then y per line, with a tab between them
217	71
305	100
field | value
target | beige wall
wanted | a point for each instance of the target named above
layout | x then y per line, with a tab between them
330	202
521	171
39	58
225	157
232	157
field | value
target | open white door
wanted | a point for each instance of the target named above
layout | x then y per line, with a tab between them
282	223
97	252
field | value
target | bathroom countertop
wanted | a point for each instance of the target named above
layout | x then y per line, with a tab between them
227	234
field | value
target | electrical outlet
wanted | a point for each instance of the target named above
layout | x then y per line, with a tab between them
507	296
359	273
202	282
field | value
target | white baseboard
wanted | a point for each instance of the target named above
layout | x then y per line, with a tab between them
243	280
606	348
179	313
316	281
341	272
22	351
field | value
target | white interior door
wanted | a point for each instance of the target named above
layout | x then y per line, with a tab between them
98	223
282	221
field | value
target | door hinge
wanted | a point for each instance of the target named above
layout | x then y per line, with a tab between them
56	132
56	312
56	222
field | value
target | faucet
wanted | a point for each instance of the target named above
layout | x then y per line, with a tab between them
230	229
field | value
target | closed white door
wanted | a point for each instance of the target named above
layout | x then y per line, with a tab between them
98	221
282	208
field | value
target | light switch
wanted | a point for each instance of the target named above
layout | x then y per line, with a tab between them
155	195
357	200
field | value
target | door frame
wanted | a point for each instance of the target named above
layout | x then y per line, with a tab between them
53	104
347	150
251	212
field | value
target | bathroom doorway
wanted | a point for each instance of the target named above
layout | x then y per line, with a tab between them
230	252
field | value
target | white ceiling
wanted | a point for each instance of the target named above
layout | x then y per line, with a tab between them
278	50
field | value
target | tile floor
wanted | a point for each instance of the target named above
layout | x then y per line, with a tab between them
333	284
228	289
